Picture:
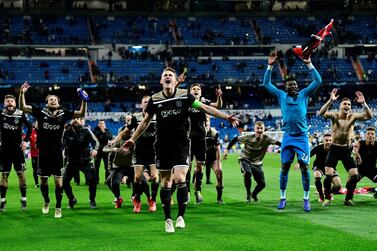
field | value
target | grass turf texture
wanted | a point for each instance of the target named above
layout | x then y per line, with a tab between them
232	226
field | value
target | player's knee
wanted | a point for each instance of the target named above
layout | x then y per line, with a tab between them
353	172
285	167
262	184
247	175
304	167
137	179
219	173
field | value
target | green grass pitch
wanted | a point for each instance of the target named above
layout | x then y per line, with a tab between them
232	226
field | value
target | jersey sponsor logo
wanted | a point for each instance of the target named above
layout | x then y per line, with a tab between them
193	110
172	112
10	127
48	126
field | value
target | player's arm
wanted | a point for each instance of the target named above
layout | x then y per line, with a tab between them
29	127
324	111
81	113
21	99
267	75
367	114
93	142
219	100
139	131
214	112
356	148
230	145
317	80
313	151
123	134
110	149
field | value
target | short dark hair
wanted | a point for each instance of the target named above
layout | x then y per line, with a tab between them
327	135
101	120
371	128
9	96
288	79
195	84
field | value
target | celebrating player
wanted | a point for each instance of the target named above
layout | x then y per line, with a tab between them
293	105
51	122
342	124
172	145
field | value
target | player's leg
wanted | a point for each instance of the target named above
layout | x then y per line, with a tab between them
350	165
318	183
4	188
44	172
287	156
114	180
138	169
97	164
217	168
34	164
57	164
179	176
58	179
154	186
258	175
246	171
20	169
105	157
165	197
330	168
301	147
208	172
336	184
90	177
68	173
199	151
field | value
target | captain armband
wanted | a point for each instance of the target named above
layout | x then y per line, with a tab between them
196	104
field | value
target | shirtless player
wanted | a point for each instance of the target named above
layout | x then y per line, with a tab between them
342	124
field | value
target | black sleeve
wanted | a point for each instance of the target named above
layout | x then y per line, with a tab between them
313	151
190	98
151	108
217	139
232	142
36	112
133	123
68	115
28	125
278	143
109	135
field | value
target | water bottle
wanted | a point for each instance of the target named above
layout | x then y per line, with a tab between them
83	95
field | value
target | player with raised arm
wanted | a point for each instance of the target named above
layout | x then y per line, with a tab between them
251	158
11	122
342	124
293	104
51	122
172	145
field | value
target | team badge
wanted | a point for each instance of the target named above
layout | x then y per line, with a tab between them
178	103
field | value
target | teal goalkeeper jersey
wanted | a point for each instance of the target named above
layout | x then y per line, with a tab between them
294	109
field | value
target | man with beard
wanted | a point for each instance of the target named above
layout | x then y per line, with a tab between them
51	122
11	122
81	147
342	124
